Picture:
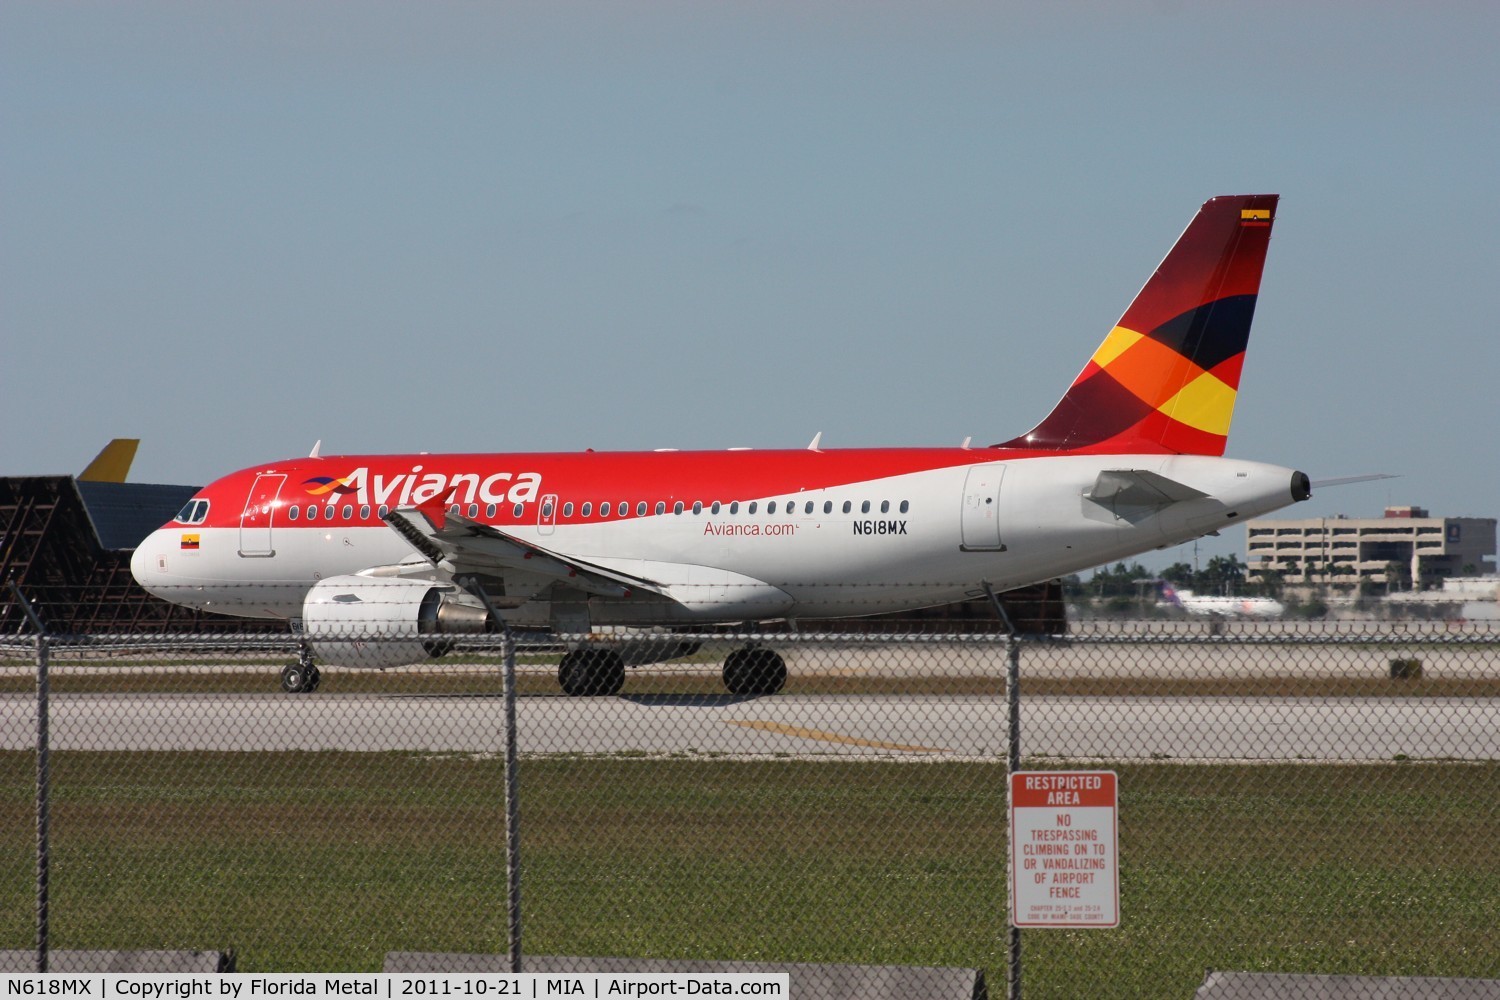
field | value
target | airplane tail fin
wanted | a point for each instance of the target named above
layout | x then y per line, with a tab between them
112	464
1165	378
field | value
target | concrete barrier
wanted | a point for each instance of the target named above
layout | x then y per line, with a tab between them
808	981
171	962
1289	986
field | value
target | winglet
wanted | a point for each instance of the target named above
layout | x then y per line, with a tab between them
317	446
436	510
817	440
112	464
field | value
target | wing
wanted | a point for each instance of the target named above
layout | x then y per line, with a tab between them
456	544
442	536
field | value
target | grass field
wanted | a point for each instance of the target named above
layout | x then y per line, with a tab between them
302	861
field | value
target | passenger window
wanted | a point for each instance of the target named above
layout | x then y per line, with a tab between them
312	512
517	511
661	507
364	512
547	509
291	513
847	507
697	506
677	507
473	510
904	506
347	512
452	509
808	507
568	509
885	506
752	507
770	507
489	510
588	509
715	508
604	509
382	510
734	507
640	509
864	508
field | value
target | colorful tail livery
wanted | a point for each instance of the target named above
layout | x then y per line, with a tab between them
384	560
1166	377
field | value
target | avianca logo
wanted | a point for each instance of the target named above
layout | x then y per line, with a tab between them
319	485
415	487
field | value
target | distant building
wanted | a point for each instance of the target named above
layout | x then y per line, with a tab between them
1346	550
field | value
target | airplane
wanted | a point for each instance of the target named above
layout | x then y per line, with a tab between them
1220	607
384	560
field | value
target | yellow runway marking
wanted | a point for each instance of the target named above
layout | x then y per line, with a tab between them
818	734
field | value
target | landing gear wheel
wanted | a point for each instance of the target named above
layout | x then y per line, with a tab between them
297	678
754	671
591	672
312	678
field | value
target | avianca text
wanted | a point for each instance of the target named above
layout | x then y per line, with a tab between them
416	487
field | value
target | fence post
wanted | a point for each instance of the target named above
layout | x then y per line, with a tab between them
43	778
512	787
1012	762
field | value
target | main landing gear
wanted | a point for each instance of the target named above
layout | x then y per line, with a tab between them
301	677
599	670
754	670
596	671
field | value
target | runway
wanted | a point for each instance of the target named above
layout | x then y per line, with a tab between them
908	727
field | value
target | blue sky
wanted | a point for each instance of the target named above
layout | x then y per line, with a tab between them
234	229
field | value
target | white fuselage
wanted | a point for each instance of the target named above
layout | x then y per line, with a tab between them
862	546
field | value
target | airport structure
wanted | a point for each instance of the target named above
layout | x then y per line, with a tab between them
1406	549
66	542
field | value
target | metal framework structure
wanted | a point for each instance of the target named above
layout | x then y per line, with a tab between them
50	547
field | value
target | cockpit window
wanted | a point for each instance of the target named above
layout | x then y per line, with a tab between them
193	512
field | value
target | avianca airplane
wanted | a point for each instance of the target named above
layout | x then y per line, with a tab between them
413	550
1221	607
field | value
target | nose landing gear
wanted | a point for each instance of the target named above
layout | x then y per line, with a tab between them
301	677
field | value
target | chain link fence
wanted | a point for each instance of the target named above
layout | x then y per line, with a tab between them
1294	797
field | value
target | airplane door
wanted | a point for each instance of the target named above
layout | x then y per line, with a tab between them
259	512
981	511
546	515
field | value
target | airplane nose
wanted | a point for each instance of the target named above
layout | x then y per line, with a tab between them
144	565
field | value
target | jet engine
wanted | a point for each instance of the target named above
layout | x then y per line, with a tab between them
359	621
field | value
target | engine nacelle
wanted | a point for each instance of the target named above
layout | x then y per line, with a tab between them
360	621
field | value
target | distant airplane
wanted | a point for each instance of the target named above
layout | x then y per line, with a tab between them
1222	607
414	550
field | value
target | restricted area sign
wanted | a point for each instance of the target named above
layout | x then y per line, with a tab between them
1064	850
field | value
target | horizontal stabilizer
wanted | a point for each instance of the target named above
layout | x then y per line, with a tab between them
1140	488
